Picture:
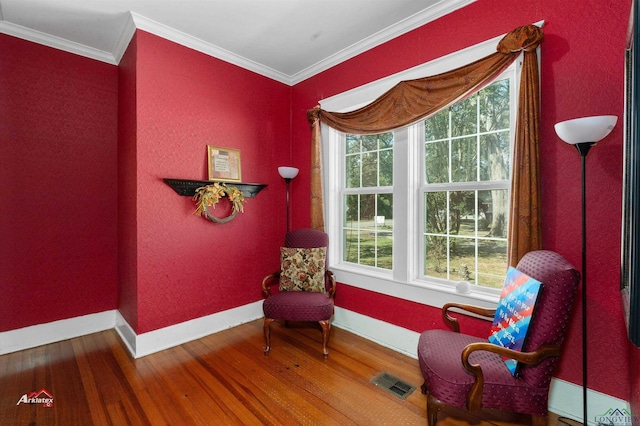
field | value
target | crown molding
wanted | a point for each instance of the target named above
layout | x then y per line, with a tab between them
168	33
124	39
56	42
136	21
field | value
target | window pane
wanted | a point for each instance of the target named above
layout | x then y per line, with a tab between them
369	143
386	167
457	225
435	212
370	169
437	162
462	259
369	160
353	144
385	250
352	171
437	126
464	157
462	213
493	208
351	214
494	156
367	248
492	263
435	249
494	104
351	243
384	212
367	211
385	140
463	117
368	230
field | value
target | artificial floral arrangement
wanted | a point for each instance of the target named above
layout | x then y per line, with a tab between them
209	195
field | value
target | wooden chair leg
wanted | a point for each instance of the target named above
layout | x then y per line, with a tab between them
326	328
267	335
433	407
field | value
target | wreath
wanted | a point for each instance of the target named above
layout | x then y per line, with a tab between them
209	195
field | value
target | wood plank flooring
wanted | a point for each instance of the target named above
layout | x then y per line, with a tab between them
221	379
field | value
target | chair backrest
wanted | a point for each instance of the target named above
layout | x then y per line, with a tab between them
309	238
553	310
306	238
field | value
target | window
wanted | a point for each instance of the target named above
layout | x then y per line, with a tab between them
458	196
368	200
426	206
466	188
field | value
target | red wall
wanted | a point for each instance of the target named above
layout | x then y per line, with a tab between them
177	266
582	62
58	241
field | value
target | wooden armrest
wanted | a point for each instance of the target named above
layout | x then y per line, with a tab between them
268	281
453	322
474	398
273	279
332	283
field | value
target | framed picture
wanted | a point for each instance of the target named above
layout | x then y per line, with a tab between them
224	164
630	262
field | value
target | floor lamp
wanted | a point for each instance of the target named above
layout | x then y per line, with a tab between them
288	173
583	133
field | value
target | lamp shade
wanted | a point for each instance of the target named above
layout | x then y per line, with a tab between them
288	172
586	129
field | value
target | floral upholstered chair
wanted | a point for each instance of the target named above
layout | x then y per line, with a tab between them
305	286
470	372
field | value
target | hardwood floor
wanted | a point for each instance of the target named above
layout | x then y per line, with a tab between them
220	379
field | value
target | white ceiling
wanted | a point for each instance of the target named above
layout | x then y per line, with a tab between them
287	40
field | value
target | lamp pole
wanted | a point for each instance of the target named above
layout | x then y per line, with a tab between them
288	182
583	148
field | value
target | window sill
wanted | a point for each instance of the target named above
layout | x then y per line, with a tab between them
427	293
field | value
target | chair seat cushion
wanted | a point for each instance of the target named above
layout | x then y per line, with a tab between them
447	380
298	306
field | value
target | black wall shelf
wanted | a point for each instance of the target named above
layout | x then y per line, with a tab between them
188	187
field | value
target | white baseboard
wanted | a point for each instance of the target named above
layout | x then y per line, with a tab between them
565	398
138	345
177	334
42	334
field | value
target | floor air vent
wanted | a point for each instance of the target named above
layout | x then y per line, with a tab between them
393	384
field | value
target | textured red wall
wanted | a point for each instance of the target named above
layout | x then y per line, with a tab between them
183	266
58	244
582	64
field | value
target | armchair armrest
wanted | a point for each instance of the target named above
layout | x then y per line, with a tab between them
268	281
453	322
273	279
474	398
332	283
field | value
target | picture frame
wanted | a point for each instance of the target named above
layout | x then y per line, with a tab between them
224	164
630	259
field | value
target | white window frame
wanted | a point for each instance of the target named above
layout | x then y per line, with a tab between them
405	280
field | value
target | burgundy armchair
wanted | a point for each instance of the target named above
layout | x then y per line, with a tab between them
313	306
468	372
